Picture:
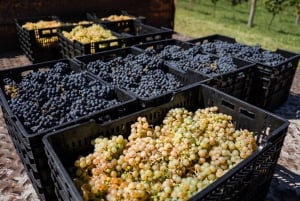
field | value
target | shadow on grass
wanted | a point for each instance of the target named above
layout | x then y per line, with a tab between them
237	10
288	33
236	20
243	21
285	185
205	12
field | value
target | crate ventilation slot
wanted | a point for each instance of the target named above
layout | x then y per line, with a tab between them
227	104
247	113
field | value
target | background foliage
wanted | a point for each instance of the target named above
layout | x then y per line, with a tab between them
197	18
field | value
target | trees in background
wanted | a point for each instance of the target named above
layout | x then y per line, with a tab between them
298	13
215	6
275	7
251	13
296	5
234	3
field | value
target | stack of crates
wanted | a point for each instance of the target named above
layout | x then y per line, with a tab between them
271	84
246	94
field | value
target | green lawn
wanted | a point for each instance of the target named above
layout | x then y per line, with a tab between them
195	18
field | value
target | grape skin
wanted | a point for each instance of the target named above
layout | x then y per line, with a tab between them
171	161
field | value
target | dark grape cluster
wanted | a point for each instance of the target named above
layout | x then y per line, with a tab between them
143	74
243	51
268	58
194	59
45	99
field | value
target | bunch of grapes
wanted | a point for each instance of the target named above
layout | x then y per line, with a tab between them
193	58
42	100
243	51
41	24
142	74
89	34
171	161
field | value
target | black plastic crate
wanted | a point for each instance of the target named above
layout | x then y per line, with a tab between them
40	44
187	79
238	83
82	61
29	144
249	180
66	46
71	19
212	38
140	32
71	49
240	66
272	84
146	33
41	55
159	46
284	180
38	38
120	26
126	100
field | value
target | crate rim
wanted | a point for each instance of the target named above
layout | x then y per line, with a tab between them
160	41
211	36
94	15
95	55
285	124
158	30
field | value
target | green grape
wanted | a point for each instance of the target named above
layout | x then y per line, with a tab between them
171	161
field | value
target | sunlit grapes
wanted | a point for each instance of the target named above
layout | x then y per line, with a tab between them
171	161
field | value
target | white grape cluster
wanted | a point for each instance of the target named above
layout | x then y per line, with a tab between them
171	161
89	34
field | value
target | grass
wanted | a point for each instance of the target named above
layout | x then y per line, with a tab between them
195	19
